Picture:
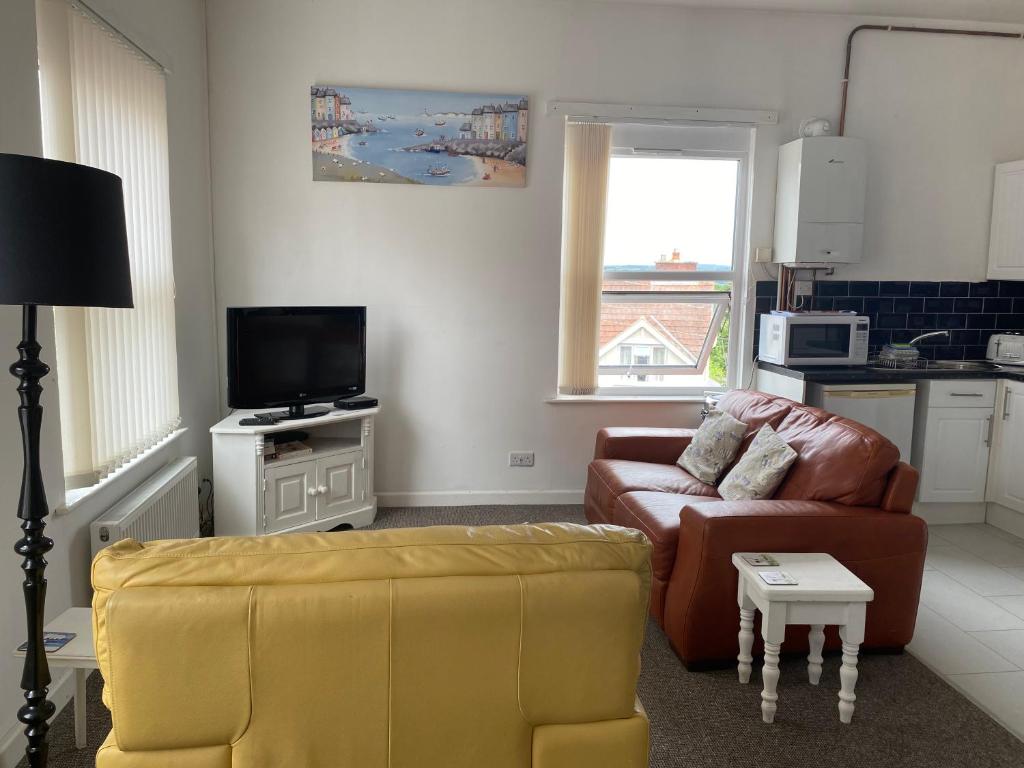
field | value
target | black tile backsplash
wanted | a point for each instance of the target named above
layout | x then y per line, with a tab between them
901	310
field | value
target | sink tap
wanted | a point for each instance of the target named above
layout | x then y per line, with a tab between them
923	336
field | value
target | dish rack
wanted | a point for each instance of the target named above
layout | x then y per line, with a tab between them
897	363
900	356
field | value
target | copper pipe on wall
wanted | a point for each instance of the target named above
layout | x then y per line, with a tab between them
892	28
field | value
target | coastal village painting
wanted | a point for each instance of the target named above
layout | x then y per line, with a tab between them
389	136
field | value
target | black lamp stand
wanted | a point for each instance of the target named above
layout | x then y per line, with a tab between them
33	545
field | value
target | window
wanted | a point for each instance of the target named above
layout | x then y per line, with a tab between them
671	223
104	105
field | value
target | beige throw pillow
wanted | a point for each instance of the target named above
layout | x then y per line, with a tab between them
713	447
761	470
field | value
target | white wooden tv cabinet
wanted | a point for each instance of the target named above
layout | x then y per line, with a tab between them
317	491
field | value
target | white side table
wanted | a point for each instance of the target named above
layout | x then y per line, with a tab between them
79	654
827	593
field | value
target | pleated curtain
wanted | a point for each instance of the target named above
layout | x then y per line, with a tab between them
124	361
587	160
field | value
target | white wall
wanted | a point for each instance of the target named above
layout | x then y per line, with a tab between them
462	284
175	32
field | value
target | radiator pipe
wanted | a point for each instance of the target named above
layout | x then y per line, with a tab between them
893	28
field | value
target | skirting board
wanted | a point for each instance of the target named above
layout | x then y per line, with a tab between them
12	744
1005	519
945	513
475	498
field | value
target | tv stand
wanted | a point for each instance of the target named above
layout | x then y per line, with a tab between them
329	486
301	412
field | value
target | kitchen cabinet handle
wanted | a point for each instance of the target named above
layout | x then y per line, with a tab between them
322	489
988	437
311	491
966	394
1006	404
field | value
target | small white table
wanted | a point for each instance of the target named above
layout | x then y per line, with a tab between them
79	654
826	593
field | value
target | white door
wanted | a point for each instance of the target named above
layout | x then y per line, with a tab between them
339	482
1006	239
955	455
290	495
1006	479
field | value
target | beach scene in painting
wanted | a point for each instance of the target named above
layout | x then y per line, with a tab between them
377	135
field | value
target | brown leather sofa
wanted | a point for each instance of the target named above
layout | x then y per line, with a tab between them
847	494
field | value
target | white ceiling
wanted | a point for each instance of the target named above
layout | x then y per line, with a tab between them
1011	11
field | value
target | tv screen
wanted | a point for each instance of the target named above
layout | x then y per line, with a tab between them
293	355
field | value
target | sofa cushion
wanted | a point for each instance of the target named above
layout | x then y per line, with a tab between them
837	459
609	478
657	515
761	470
713	447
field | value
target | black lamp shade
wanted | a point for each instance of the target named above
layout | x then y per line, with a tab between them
63	240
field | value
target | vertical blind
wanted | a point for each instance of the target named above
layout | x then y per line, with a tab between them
587	161
125	388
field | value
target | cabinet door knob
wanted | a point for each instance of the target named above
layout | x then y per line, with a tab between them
321	489
311	491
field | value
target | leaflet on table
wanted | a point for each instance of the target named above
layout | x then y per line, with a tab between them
776	578
52	641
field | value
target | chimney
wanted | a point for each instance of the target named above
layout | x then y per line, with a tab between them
675	263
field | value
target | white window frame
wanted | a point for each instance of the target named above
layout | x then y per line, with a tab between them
732	299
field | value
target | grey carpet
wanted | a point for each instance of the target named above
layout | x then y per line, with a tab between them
906	716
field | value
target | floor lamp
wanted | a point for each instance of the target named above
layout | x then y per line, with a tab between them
63	242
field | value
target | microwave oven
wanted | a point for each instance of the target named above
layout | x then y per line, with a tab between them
809	338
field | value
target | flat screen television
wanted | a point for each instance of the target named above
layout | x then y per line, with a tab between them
293	356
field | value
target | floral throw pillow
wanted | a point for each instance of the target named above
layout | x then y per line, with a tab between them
713	447
761	470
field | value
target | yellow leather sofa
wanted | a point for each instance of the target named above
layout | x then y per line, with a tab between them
447	647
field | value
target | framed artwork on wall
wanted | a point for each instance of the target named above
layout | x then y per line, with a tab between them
378	135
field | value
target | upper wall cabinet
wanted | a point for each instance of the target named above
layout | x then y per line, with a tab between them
1006	242
819	205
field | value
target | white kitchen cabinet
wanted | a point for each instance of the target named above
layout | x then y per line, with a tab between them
1006	239
1006	475
956	457
952	439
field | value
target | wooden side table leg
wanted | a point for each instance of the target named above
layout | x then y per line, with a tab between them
852	635
81	675
746	643
816	640
770	675
848	680
773	630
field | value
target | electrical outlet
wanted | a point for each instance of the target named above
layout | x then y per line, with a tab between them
520	459
763	255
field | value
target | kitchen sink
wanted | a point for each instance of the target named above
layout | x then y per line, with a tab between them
942	365
962	365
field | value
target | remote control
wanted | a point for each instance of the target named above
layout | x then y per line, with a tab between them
257	421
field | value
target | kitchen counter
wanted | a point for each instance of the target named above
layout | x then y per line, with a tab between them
860	374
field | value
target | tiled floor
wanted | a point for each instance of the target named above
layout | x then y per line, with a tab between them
970	627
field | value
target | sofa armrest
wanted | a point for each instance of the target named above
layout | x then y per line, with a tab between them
856	533
654	445
884	549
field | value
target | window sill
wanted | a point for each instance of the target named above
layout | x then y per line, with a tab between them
583	399
108	491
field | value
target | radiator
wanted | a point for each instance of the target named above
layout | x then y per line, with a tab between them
164	506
